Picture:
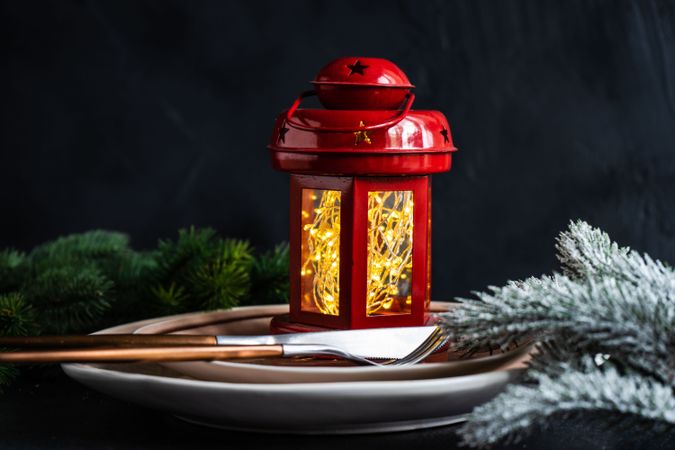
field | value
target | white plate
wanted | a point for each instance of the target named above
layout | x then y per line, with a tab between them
255	320
297	408
312	408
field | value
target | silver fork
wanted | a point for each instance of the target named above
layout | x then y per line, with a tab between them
435	341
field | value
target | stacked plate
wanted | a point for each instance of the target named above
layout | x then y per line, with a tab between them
299	396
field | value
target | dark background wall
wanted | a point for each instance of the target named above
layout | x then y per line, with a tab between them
145	116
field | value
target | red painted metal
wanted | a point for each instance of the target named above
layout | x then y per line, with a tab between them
396	118
362	143
373	165
361	83
416	143
323	130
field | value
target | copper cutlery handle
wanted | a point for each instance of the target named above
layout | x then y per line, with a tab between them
143	354
152	340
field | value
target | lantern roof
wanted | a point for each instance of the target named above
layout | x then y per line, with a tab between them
367	128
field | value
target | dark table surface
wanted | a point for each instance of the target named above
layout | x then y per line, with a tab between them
61	414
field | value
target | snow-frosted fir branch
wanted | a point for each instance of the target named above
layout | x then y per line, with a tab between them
595	315
611	302
574	391
585	251
553	357
623	305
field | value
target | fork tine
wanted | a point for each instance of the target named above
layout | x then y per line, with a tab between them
437	339
422	349
412	356
423	353
431	344
419	351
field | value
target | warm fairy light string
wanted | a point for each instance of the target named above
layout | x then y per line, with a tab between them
390	237
323	256
390	244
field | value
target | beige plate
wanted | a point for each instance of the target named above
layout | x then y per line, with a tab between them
255	320
415	399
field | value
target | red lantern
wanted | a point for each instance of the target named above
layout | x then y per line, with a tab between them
360	206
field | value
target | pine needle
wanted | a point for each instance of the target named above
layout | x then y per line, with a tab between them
269	277
223	280
7	375
89	245
13	270
69	299
17	317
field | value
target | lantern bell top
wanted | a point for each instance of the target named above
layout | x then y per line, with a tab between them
367	128
356	71
361	83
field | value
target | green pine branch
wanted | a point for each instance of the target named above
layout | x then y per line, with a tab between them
83	282
89	246
69	299
202	271
178	259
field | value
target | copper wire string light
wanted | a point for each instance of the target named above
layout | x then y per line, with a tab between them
390	244
390	231
322	260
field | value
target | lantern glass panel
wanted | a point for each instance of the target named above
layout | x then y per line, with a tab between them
320	242
390	252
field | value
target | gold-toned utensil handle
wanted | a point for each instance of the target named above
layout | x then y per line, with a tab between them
143	354
104	340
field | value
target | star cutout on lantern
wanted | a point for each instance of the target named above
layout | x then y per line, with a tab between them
446	137
361	135
282	134
357	67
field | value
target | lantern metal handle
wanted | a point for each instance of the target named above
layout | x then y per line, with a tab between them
410	98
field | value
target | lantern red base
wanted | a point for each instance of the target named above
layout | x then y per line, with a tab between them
282	324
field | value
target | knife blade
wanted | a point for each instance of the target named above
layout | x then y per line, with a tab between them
383	343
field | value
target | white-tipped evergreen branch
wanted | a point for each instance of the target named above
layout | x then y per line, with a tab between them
585	251
610	300
565	393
